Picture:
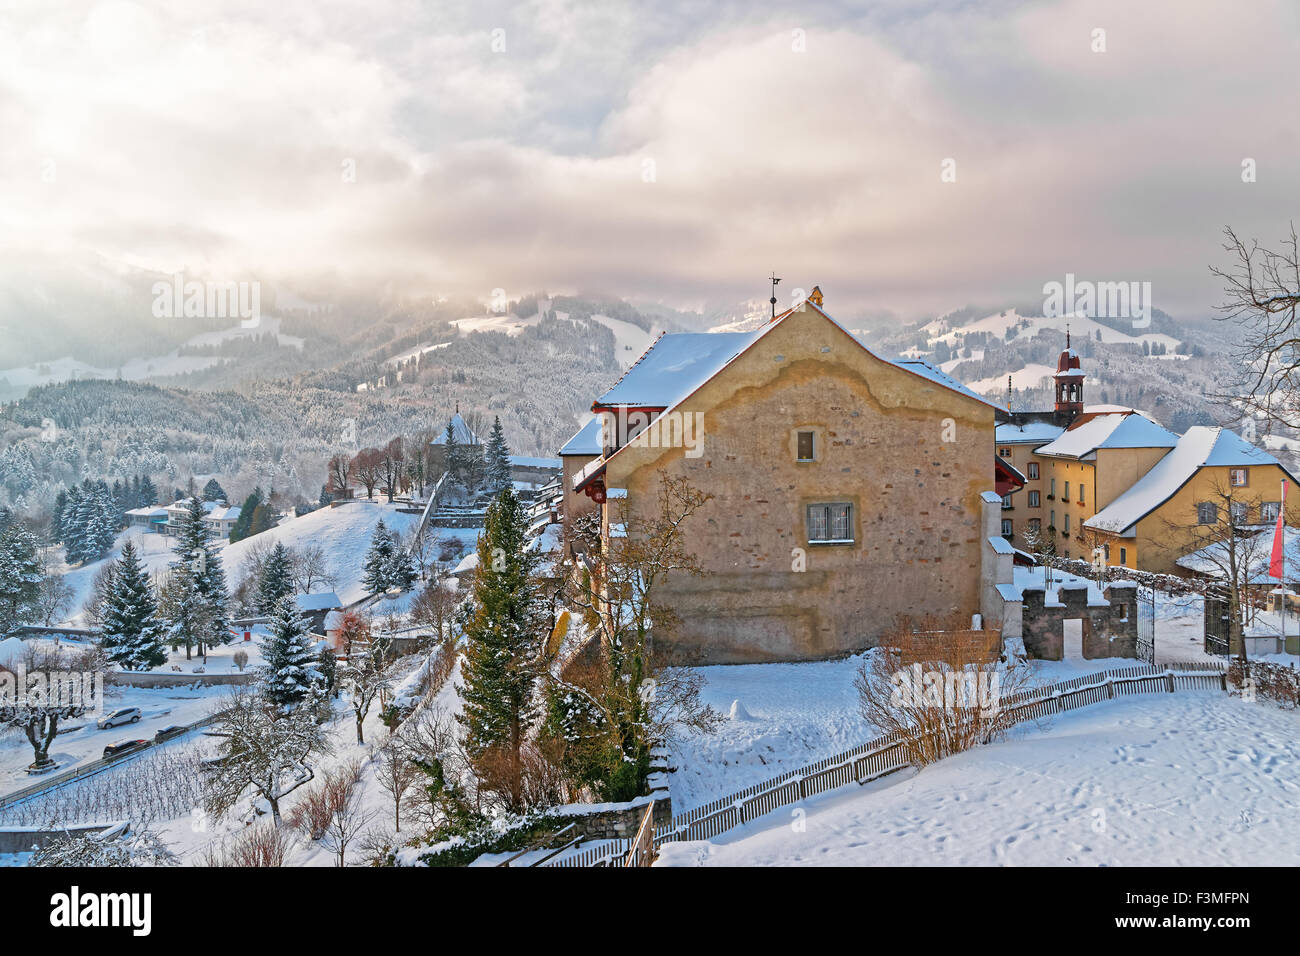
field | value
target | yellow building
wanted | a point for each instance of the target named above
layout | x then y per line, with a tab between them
1212	481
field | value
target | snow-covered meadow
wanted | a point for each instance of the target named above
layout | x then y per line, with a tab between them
1196	778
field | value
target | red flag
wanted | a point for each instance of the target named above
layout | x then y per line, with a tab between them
1275	561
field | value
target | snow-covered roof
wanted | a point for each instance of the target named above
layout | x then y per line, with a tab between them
674	366
463	433
678	363
467	563
1030	433
1108	430
523	461
585	441
222	513
1253	548
321	601
1203	446
154	511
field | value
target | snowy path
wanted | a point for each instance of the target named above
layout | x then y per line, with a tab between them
1191	779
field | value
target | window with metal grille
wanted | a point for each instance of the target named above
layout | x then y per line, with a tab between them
830	523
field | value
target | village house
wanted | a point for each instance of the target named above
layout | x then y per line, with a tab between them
849	491
1184	503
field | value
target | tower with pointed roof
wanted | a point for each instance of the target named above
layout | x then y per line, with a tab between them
1069	383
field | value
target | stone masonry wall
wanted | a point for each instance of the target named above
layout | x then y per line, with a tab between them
1109	630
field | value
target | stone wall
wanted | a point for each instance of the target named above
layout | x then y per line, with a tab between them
1109	629
617	821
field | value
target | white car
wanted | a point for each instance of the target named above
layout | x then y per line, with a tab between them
127	715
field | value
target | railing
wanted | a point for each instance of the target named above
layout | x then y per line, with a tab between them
643	844
889	753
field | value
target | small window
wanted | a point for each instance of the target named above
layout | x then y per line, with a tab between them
1006	528
1269	510
1051	490
1035	524
1240	512
1033	471
1035	499
1081	501
1066	497
830	523
1007	503
1207	512
806	446
1067	522
1004	452
1106	550
1123	556
1051	520
1237	477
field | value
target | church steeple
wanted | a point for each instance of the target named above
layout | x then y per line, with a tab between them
1069	382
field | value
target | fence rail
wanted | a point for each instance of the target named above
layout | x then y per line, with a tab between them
889	753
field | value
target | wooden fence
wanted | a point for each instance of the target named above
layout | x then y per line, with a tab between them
888	753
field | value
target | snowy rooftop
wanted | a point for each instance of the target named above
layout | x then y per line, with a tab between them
222	513
523	461
1109	430
585	441
1031	433
322	601
1253	549
463	433
1202	446
680	362
1025	578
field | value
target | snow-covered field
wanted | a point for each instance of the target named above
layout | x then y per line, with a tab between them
1195	778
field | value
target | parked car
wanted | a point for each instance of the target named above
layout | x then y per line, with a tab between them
168	732
127	715
126	746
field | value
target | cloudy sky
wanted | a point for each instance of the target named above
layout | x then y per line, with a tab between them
670	150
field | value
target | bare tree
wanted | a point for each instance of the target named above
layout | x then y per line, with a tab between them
338	476
262	750
311	568
1262	290
347	821
367	467
396	775
67	690
52	599
434	608
366	676
392	467
261	845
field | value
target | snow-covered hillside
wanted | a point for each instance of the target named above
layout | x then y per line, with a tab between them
998	323
1193	779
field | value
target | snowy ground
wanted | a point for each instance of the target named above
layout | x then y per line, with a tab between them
1191	779
343	533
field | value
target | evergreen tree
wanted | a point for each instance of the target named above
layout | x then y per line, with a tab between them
212	491
20	577
453	454
101	523
199	560
503	640
240	529
132	634
377	573
277	579
263	519
72	526
56	515
401	569
291	669
497	456
148	493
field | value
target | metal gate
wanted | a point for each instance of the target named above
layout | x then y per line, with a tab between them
1146	624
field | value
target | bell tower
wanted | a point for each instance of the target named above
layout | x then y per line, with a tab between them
1069	383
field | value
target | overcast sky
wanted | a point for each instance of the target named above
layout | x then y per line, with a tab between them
670	150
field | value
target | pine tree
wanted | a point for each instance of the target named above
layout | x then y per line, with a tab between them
277	579
291	669
56	515
148	493
377	573
20	577
401	569
503	640
202	564
132	634
451	447
213	491
497	456
244	522
262	519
